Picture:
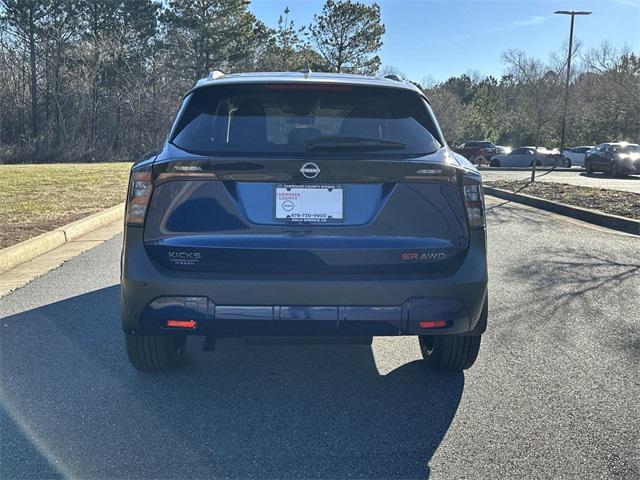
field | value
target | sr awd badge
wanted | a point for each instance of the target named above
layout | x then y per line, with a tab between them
423	257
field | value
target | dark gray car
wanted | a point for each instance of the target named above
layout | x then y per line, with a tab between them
308	207
614	158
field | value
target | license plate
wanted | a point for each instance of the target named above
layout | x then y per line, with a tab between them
309	203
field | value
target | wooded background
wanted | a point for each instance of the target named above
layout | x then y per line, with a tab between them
99	80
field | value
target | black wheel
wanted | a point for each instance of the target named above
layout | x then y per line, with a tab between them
613	170
480	160
449	353
155	354
495	162
588	167
567	163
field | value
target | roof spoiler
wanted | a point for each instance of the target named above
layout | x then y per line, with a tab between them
394	77
215	74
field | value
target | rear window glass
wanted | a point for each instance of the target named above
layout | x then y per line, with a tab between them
294	119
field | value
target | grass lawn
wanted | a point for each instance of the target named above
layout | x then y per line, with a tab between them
38	198
614	202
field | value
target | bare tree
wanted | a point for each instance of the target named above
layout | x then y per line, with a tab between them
24	19
538	94
611	91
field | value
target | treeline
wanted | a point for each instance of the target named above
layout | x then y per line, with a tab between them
95	80
525	106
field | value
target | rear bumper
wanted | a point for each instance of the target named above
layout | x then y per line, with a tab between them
228	305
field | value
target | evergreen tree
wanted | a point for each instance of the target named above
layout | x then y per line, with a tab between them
348	34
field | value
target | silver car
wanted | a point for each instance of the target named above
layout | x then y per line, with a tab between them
527	156
575	156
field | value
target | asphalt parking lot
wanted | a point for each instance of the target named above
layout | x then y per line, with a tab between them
577	177
554	393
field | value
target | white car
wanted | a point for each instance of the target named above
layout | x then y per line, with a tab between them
526	156
576	155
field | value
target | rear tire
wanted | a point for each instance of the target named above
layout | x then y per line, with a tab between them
494	163
154	354
613	170
567	163
588	167
449	353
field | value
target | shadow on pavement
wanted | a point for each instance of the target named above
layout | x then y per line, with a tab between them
581	274
591	292
267	411
20	457
606	175
508	212
593	175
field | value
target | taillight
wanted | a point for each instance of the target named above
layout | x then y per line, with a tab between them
140	187
474	201
184	170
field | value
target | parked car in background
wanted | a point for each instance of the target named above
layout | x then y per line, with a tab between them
478	152
614	158
527	156
576	155
503	150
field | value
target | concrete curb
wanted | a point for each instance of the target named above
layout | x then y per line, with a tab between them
615	222
29	249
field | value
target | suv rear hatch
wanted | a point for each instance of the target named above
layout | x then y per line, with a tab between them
306	178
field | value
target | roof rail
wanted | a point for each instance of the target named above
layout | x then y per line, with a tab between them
306	69
394	77
215	74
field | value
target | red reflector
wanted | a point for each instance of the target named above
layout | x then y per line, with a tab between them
433	324
181	323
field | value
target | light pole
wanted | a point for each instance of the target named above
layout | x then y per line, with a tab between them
573	13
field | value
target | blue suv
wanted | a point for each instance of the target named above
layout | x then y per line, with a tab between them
309	207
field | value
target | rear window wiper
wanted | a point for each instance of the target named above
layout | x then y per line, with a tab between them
336	142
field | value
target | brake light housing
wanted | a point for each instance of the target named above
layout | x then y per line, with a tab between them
183	170
143	180
302	87
139	194
474	201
